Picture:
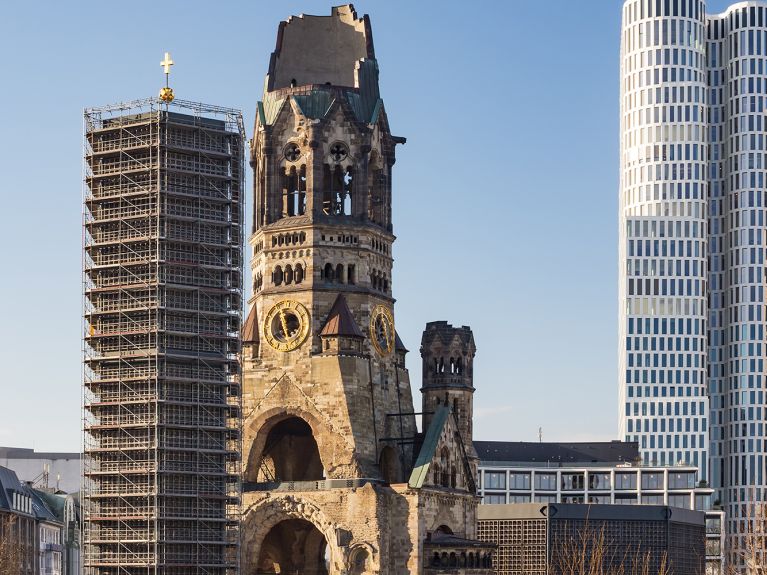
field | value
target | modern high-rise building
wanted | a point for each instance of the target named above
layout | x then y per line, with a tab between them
162	304
692	242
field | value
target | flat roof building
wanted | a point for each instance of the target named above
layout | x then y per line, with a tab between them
607	473
555	538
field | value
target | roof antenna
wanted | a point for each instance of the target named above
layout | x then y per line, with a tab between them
540	435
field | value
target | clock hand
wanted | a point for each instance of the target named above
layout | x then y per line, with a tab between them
385	333
284	323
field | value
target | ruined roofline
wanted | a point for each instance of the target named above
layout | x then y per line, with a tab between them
339	43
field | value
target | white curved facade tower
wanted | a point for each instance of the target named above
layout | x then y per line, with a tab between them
693	238
663	247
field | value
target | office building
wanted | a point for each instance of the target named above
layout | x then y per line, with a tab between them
55	470
692	243
558	539
606	473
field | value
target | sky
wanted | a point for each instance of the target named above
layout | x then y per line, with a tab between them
505	195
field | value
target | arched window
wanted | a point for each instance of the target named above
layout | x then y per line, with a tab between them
328	272
299	273
340	273
337	194
452	365
458	365
351	274
444	463
288	274
294	193
277	276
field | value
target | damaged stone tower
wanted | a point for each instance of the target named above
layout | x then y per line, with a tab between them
337	477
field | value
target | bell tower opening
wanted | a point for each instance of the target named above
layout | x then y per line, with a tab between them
290	453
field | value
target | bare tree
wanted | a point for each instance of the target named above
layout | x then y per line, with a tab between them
588	552
10	545
748	547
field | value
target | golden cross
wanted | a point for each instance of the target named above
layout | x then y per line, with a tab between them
167	63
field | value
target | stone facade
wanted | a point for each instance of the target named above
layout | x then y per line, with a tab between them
337	478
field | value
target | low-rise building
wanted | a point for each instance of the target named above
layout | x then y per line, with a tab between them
56	470
18	528
554	538
595	473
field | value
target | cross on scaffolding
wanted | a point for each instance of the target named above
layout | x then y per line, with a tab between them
166	64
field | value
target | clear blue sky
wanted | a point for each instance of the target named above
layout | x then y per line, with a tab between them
505	201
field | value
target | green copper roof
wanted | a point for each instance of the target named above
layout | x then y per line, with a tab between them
315	104
429	447
364	101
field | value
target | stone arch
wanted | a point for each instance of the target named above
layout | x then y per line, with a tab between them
361	559
261	520
268	421
290	453
329	272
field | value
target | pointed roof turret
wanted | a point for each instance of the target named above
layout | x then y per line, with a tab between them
250	329
340	321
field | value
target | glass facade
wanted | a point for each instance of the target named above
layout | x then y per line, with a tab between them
693	238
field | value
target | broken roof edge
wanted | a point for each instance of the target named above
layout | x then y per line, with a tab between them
428	448
304	25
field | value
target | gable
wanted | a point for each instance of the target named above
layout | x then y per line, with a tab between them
442	460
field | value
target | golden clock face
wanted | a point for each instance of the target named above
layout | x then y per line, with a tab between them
382	329
286	325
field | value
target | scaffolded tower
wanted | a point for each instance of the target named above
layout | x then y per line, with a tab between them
162	302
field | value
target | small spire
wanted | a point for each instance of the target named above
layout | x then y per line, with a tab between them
340	320
250	328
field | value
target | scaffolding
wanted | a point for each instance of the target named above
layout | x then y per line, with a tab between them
162	284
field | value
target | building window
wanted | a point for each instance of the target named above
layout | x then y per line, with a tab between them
495	480
624	481
652	480
677	500
681	480
519	481
546	481
598	481
494	498
572	481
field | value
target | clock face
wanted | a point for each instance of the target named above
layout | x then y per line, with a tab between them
382	329
286	325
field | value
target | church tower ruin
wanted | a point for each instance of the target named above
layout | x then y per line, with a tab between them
336	477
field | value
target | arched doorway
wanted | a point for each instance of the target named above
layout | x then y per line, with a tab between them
291	547
290	453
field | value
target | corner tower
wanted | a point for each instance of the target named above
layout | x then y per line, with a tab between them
448	375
